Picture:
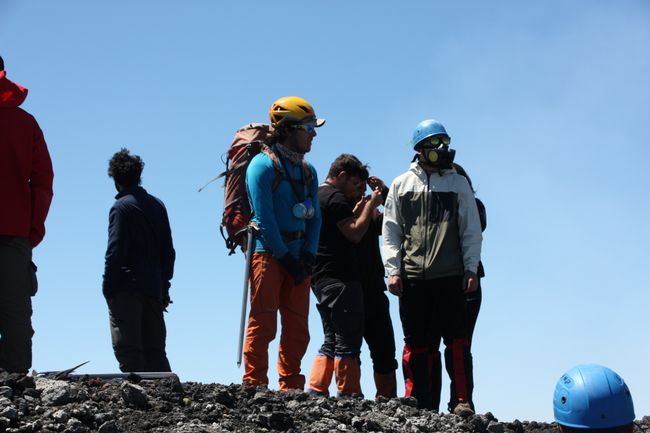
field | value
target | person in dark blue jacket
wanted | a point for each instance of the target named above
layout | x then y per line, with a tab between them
138	270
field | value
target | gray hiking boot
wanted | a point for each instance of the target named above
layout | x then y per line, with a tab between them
463	409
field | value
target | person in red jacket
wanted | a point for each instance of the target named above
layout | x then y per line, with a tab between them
25	196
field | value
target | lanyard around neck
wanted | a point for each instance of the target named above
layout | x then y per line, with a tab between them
291	180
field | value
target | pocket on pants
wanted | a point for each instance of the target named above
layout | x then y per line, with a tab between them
32	278
347	310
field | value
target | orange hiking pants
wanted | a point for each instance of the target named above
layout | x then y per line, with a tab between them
273	289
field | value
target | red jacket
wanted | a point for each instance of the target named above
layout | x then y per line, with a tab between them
25	168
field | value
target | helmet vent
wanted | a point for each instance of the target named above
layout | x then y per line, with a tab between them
305	109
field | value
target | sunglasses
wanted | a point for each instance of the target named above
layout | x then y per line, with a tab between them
309	127
438	140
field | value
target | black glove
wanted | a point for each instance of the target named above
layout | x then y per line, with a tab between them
294	267
308	261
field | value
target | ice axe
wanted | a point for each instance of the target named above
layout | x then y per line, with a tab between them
250	242
60	374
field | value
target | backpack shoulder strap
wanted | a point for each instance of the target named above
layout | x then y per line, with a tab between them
266	149
308	174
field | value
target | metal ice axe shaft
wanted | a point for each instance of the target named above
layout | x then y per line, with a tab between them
250	239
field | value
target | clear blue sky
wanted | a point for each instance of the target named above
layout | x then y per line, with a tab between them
546	102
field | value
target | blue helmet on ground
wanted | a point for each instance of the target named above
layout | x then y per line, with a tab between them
425	129
592	396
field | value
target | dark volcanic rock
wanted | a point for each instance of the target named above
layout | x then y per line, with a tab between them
163	406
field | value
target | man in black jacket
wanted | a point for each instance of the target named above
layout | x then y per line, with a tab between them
138	270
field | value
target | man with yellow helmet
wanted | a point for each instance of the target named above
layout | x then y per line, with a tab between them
285	247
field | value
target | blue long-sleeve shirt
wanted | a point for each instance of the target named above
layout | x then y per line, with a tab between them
273	207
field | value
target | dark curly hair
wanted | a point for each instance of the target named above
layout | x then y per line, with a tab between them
125	168
349	164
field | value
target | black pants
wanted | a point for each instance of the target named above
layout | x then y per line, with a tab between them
138	332
431	311
472	306
340	305
17	286
378	328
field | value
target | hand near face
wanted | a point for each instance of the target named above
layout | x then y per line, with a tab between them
375	198
359	207
375	183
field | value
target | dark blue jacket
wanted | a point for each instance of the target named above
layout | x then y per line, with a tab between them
140	253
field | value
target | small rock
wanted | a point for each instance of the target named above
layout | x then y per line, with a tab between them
108	427
53	392
516	426
293	405
495	427
9	412
134	394
6	391
225	398
32	392
75	426
260	397
408	401
276	420
60	416
372	425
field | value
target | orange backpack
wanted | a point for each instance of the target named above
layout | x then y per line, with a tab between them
249	140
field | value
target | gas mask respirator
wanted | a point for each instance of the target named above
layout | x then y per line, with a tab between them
441	157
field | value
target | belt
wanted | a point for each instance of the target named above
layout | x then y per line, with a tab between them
292	236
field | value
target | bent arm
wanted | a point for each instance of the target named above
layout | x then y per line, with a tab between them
353	229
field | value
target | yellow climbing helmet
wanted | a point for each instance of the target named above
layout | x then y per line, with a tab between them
293	110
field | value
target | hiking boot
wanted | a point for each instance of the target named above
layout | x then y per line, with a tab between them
251	389
463	409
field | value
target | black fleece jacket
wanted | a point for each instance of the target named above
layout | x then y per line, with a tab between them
140	254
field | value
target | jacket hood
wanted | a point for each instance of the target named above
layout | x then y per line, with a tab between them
11	94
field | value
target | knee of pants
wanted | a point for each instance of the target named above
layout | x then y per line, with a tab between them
262	326
384	365
349	334
327	350
18	331
348	322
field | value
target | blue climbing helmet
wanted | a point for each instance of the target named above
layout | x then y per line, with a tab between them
592	396
427	128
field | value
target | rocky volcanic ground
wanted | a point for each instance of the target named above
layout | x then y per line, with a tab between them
29	404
